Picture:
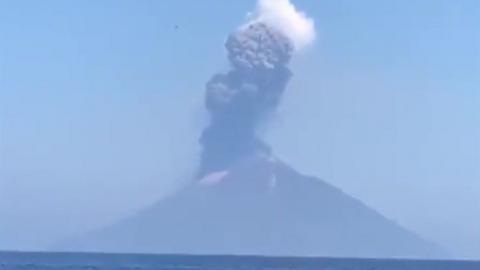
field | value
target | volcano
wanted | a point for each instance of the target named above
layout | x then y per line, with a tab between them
243	200
260	206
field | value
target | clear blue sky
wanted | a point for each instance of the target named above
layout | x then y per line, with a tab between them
101	107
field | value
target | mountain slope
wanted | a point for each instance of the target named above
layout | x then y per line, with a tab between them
263	207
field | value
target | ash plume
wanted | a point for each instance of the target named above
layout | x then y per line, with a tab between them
241	98
285	17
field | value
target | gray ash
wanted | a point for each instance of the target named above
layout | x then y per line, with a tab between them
241	98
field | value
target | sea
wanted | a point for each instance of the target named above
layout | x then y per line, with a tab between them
85	261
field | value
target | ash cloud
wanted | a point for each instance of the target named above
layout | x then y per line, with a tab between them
240	99
286	18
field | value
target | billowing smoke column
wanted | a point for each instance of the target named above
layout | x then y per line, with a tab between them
241	98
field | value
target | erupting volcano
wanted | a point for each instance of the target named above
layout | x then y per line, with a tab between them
243	200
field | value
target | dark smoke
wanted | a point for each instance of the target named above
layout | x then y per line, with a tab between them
241	98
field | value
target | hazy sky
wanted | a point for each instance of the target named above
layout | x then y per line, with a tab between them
101	108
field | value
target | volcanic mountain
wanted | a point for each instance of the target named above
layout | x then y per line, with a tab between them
260	206
243	200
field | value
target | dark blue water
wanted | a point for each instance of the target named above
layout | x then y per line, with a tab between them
71	261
